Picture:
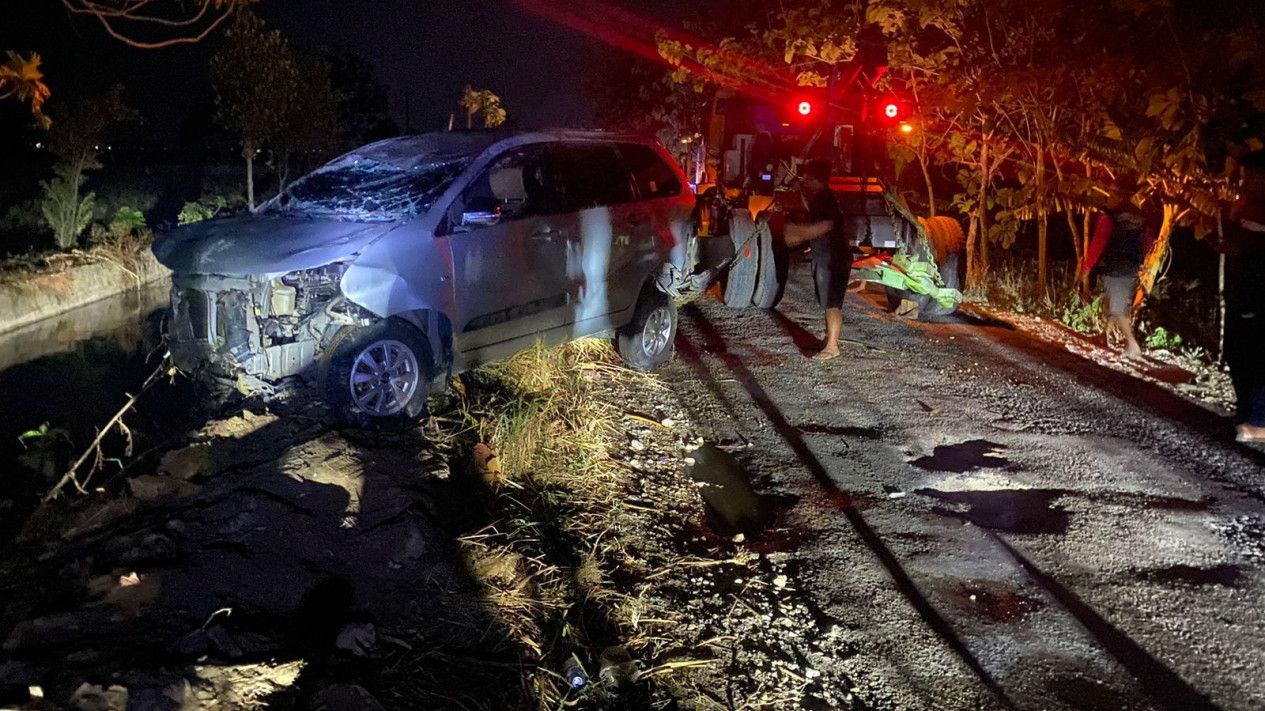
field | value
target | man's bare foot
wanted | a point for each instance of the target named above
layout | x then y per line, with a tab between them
827	354
1251	433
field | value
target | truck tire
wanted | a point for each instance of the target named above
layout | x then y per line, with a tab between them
647	342
379	375
739	282
770	283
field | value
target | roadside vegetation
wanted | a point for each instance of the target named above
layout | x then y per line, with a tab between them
586	551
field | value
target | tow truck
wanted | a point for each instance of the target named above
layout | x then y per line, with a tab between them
744	172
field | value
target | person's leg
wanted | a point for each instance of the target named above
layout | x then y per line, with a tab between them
834	328
832	289
1237	355
1131	347
1119	304
1252	367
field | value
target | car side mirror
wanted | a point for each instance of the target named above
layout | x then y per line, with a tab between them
481	212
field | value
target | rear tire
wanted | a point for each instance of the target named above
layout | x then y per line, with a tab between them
646	342
771	283
379	375
741	276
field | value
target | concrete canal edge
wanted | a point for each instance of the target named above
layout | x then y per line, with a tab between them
50	293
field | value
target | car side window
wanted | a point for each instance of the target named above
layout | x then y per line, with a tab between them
517	184
653	177
591	175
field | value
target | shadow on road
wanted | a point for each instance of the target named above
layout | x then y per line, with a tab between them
713	342
1163	685
1149	397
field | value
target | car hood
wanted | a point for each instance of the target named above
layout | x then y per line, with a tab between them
264	245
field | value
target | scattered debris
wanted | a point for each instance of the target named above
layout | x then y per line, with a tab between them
357	637
344	697
93	697
488	465
617	667
573	673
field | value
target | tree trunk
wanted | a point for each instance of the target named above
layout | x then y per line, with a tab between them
926	175
248	151
283	173
1155	254
1043	227
977	254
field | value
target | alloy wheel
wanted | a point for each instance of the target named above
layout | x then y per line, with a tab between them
383	378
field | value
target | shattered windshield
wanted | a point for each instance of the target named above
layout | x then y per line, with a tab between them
369	190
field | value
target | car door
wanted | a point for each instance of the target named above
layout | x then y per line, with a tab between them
661	214
605	256
509	249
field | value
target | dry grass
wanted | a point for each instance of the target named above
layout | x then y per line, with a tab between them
546	561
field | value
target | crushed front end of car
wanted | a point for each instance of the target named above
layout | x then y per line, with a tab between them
251	333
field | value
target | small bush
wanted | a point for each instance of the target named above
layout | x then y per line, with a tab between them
66	211
202	210
1161	338
1081	316
127	219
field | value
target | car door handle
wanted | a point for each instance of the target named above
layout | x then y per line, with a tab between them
634	218
542	234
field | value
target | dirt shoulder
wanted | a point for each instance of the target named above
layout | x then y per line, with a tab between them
275	562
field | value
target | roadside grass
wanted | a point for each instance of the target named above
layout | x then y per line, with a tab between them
554	561
1175	317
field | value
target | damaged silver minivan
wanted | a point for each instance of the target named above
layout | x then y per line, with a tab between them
407	260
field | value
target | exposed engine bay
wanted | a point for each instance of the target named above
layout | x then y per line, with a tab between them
257	330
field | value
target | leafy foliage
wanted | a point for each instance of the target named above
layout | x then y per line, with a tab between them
257	83
128	219
484	104
66	211
1161	338
75	138
202	210
22	79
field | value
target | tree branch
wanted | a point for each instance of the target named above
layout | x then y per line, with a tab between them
112	14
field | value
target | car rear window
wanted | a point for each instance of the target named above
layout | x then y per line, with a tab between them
369	190
652	175
592	175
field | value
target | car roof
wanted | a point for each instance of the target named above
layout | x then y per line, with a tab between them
444	146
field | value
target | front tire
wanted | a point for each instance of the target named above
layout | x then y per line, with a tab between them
379	373
646	342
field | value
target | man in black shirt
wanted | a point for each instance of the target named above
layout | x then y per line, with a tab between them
832	256
1244	246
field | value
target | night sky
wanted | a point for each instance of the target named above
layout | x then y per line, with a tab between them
430	48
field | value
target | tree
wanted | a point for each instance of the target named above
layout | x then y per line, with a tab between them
482	103
75	139
170	22
307	134
21	78
256	82
638	96
362	100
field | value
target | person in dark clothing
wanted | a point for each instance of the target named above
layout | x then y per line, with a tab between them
832	256
762	165
1117	249
1243	244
